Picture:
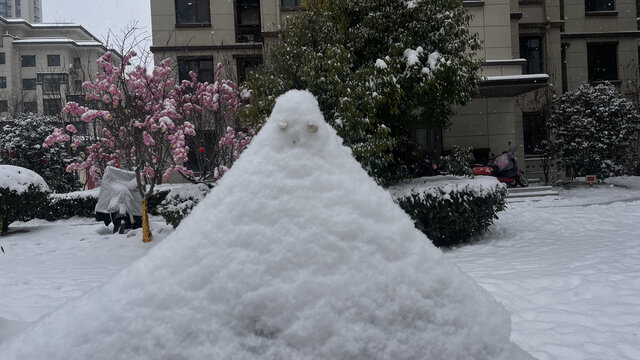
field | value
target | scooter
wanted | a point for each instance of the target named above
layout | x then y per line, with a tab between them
505	168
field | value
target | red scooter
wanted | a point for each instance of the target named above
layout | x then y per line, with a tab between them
505	168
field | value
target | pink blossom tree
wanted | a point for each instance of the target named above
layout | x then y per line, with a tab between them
144	121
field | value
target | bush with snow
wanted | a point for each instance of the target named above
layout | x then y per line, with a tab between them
22	193
21	145
180	201
451	210
593	129
458	162
295	254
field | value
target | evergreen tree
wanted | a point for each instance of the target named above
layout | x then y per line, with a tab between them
593	129
21	145
378	69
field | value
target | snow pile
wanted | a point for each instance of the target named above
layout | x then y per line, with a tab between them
19	179
631	182
296	254
433	185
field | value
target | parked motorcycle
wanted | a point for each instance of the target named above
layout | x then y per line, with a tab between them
505	168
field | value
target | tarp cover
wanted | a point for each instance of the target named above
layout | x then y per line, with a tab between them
118	193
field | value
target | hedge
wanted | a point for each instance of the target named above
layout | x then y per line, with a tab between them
83	204
451	210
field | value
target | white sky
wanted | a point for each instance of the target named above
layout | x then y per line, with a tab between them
100	16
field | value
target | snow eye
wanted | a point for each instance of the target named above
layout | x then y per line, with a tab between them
312	128
282	125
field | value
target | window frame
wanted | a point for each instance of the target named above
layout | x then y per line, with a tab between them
3	58
35	107
526	67
242	61
597	6
199	59
591	51
53	60
26	81
45	77
25	63
204	22
3	82
4	106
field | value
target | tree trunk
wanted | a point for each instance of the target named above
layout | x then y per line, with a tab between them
146	231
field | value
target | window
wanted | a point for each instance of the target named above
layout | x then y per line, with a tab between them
602	62
3	59
248	21
4	106
193	12
28	60
30	107
53	60
28	84
599	5
534	131
246	65
291	3
3	82
51	82
203	67
531	50
77	85
52	107
76	63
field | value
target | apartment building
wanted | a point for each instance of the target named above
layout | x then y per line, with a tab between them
30	10
42	66
532	50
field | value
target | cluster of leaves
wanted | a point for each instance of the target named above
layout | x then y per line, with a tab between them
21	145
593	130
179	203
458	162
455	217
20	206
377	68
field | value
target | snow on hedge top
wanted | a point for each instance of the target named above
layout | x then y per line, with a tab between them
631	182
19	179
296	254
432	185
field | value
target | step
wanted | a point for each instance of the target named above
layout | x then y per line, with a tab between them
529	189
531	193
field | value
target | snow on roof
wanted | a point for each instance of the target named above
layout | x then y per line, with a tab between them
51	40
295	254
518	77
19	179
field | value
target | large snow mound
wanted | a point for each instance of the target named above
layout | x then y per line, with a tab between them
296	254
19	179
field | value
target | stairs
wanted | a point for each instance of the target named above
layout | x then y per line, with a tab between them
530	193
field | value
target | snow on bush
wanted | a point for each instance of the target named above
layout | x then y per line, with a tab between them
180	201
594	128
631	182
451	209
22	192
295	254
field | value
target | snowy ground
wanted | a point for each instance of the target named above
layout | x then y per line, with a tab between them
568	270
47	263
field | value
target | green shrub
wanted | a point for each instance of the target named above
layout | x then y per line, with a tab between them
458	162
453	215
20	206
180	201
83	204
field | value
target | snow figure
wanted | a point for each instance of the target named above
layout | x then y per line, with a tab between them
296	255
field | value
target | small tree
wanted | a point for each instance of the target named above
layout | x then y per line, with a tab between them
21	145
378	69
593	129
144	119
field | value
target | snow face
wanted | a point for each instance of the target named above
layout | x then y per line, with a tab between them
296	254
19	179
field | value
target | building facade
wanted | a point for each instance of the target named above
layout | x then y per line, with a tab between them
532	50
30	10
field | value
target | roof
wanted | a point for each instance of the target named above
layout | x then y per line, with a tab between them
49	40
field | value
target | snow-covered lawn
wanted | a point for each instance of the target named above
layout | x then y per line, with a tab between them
568	270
